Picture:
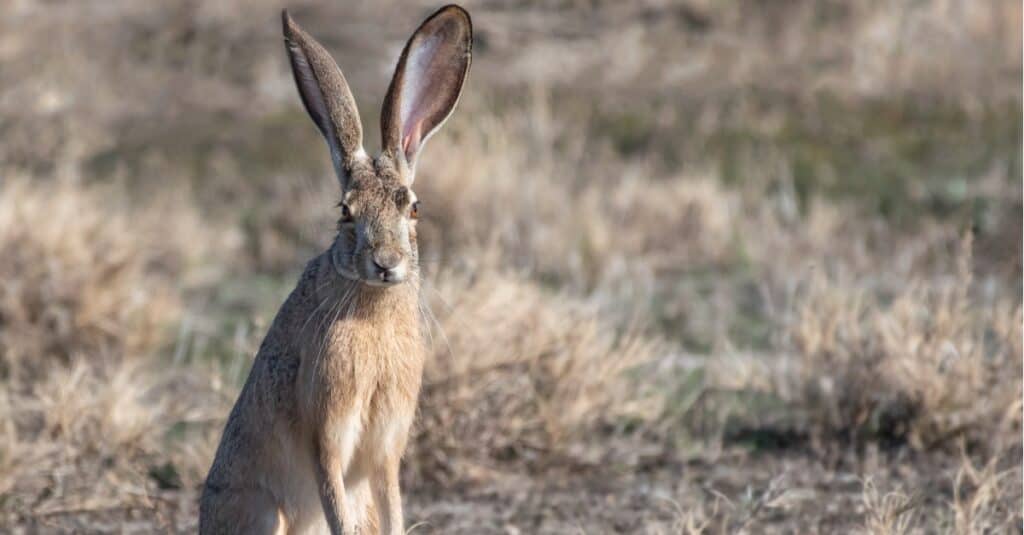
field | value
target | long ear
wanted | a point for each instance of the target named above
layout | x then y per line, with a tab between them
427	82
326	96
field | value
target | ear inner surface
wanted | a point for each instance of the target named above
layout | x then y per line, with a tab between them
428	81
325	94
417	88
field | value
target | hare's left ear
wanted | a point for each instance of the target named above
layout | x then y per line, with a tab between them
427	82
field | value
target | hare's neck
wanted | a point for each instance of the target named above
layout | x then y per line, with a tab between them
380	304
378	325
363	306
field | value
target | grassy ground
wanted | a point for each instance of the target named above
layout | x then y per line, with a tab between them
691	266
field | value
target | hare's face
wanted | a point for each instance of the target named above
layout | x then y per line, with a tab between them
376	240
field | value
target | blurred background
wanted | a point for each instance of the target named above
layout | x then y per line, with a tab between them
691	266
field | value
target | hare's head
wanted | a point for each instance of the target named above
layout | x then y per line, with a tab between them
376	240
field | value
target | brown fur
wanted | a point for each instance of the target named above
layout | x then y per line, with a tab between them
337	118
315	440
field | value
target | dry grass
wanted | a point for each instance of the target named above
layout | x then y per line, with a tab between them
89	294
79	281
93	446
929	367
891	513
985	499
577	216
531	375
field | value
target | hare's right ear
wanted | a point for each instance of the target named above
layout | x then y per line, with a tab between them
326	96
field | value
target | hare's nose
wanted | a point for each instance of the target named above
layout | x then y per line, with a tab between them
388	265
386	260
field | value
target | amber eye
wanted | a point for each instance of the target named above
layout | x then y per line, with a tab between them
346	214
414	210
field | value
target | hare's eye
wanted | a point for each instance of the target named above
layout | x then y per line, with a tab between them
346	214
414	210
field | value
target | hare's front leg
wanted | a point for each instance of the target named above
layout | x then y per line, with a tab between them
392	437
335	444
388	497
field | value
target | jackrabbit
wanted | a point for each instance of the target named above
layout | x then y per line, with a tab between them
315	439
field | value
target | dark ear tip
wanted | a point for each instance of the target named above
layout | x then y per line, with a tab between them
454	10
287	24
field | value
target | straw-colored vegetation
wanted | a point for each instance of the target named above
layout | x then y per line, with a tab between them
691	267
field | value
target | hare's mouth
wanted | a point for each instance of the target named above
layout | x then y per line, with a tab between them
379	283
382	276
379	279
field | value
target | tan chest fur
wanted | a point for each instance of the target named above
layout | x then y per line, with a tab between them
360	378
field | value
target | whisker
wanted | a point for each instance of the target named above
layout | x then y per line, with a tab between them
440	329
313	313
323	330
426	325
433	317
441	298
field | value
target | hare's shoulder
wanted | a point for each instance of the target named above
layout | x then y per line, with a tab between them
293	320
276	366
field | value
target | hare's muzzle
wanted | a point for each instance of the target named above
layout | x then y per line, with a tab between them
386	267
